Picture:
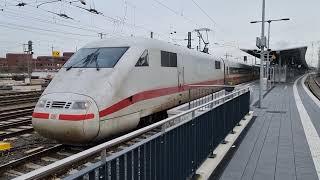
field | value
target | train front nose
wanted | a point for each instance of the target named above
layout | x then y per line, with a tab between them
66	117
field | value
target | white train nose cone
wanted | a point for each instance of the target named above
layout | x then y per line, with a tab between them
66	117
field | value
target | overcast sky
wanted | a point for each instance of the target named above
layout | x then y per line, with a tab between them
229	20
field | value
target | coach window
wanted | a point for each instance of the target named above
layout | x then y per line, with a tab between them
168	59
143	60
217	64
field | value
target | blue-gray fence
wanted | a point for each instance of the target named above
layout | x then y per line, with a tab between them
176	152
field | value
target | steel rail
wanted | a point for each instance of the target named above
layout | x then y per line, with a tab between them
15	114
56	166
16	133
20	161
8	110
314	86
15	124
19	93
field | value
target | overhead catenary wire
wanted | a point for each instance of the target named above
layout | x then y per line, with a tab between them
120	22
116	21
61	32
47	35
204	12
109	18
16	15
176	12
38	33
46	30
60	19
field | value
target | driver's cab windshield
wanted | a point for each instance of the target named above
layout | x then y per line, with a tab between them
106	57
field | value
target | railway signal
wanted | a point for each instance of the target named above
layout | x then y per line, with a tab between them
28	50
30	46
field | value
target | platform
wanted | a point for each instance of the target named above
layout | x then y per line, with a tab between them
283	142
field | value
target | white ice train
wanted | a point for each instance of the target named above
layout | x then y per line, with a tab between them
108	86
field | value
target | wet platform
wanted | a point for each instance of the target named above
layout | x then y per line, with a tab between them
283	142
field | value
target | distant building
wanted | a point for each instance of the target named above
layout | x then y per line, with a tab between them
3	63
18	62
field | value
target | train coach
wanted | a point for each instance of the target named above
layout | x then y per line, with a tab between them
110	86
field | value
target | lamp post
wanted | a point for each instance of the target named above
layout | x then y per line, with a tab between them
262	44
224	71
268	57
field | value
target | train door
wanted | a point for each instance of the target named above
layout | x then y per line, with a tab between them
225	72
180	70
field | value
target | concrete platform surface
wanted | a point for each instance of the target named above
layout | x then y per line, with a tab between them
282	142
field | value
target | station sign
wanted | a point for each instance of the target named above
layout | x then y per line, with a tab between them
55	54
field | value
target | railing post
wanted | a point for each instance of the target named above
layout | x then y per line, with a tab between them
224	119
103	156
212	94
189	98
103	162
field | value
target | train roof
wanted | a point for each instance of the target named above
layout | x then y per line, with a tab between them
133	41
149	43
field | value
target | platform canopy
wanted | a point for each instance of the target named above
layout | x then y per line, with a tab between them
292	57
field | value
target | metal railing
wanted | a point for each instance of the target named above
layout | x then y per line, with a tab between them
175	152
200	94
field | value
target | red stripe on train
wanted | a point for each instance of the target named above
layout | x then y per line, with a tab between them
75	117
40	115
145	95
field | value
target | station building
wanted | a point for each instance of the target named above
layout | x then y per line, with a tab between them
18	62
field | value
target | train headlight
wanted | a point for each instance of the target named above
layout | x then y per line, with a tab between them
81	105
41	103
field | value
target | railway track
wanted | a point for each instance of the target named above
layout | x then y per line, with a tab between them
17	94
15	121
46	156
16	112
313	83
39	156
15	127
35	158
7	99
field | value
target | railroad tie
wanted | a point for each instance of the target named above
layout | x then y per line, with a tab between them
88	164
64	154
49	159
11	139
73	171
13	173
14	120
32	166
3	132
23	118
14	129
26	135
34	150
25	127
5	122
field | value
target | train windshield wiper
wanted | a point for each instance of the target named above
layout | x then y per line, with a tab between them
87	60
95	59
